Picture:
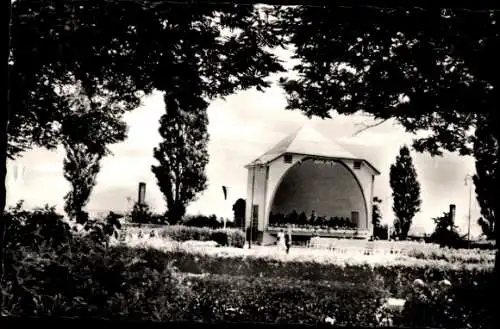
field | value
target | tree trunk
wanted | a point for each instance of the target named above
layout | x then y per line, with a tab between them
5	114
3	143
175	213
495	118
496	122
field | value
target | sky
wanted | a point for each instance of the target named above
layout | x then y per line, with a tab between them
241	128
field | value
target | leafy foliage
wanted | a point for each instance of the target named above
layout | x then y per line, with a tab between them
232	236
56	44
182	154
35	238
379	229
223	48
239	207
88	282
80	169
34	230
437	305
91	122
113	48
142	214
100	231
302	221
428	69
405	192
203	64
446	233
432	70
486	154
271	300
376	213
43	228
181	233
451	264
202	221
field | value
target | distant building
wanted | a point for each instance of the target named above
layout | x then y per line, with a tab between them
307	173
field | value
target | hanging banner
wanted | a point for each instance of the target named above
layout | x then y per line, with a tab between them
224	190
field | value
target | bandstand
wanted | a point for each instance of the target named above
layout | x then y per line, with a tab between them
311	184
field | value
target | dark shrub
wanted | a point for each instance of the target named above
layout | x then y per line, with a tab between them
272	300
202	221
220	237
142	214
52	270
34	229
88	281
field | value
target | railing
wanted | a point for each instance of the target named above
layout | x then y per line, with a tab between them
366	247
332	233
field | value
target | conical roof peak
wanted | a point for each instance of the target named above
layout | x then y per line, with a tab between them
307	141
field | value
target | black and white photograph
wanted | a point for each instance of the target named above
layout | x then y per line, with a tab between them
306	163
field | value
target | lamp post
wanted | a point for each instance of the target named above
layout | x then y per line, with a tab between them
251	207
468	182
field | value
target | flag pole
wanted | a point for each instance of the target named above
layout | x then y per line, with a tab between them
251	208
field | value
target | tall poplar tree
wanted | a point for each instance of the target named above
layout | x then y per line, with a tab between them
405	192
182	154
485	151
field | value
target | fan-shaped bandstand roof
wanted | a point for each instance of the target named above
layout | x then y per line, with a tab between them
307	141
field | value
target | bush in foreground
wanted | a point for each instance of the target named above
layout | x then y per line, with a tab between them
219	298
88	280
53	269
125	284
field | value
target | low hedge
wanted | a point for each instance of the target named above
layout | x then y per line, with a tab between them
227	237
395	278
